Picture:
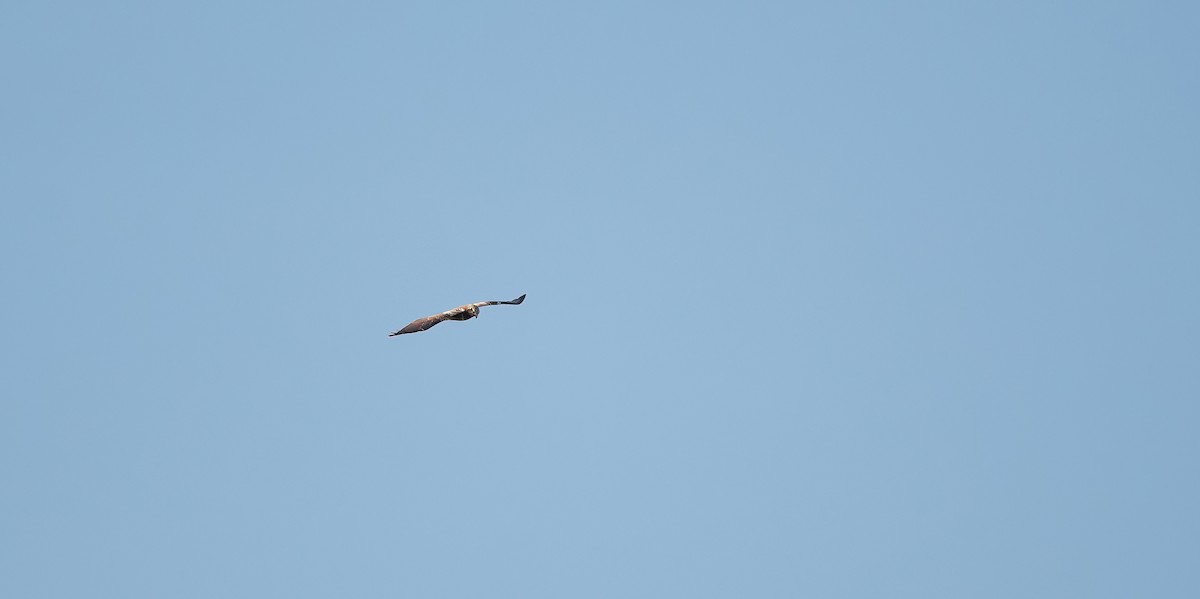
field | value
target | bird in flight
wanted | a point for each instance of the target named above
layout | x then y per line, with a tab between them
466	312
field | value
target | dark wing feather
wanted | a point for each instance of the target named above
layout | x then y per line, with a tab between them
420	324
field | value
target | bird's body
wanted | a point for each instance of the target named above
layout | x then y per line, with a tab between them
466	312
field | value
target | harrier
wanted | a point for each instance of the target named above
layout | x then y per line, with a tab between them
466	312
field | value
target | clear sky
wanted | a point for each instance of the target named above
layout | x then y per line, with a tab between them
838	300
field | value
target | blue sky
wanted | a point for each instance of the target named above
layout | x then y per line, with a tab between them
857	300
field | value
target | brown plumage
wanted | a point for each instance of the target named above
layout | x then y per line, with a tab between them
460	313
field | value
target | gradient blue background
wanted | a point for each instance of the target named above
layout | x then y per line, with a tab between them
860	299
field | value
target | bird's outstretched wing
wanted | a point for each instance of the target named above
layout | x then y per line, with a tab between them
509	302
421	324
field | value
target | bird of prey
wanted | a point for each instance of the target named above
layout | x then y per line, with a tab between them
466	312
